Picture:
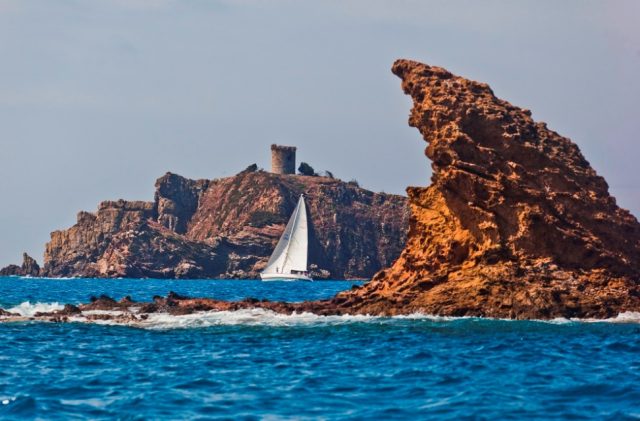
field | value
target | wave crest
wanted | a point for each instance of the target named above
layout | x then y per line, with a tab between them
263	317
27	309
246	317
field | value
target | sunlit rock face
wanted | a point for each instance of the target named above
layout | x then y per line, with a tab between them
515	222
228	227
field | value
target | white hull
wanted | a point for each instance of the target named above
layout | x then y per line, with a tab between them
284	277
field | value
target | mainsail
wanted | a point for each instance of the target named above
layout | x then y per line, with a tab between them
290	254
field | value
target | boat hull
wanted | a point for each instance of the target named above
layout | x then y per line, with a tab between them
284	277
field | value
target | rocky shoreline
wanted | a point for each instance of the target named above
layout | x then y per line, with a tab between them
515	224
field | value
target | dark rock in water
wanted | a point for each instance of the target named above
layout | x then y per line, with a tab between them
5	313
11	270
515	224
126	300
175	296
29	268
227	228
69	310
104	302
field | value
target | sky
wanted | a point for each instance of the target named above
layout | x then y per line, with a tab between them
99	98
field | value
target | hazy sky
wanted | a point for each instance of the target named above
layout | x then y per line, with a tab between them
100	98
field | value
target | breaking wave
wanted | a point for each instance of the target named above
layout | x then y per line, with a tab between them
28	309
263	317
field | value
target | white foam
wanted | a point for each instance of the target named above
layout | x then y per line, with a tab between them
103	313
246	317
27	309
263	317
626	317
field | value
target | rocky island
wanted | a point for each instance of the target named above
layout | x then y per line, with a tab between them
228	227
515	224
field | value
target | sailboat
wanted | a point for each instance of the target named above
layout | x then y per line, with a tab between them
289	259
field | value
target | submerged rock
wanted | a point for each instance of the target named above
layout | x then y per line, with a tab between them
515	224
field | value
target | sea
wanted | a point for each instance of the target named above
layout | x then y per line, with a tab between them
254	364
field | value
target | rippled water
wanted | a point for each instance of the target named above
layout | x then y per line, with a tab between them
260	365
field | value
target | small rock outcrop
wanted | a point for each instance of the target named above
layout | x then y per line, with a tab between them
516	223
227	228
29	268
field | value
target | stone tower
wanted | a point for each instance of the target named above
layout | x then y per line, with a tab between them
283	159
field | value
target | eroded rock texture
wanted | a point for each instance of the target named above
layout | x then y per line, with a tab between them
515	224
228	228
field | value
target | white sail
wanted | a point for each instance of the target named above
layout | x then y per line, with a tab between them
299	241
290	254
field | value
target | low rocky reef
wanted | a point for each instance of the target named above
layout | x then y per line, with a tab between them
128	312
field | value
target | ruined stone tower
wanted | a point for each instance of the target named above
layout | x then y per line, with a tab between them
283	159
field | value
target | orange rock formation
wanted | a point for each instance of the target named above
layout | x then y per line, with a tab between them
515	224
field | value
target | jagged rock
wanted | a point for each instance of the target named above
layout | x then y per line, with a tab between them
29	268
176	200
69	310
228	228
515	224
87	248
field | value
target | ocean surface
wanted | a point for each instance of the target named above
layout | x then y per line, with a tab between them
259	365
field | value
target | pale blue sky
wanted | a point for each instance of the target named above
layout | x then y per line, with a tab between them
99	98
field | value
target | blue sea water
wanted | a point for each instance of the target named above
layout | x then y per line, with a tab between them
258	365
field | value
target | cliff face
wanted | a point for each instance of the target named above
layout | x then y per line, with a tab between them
515	223
228	228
